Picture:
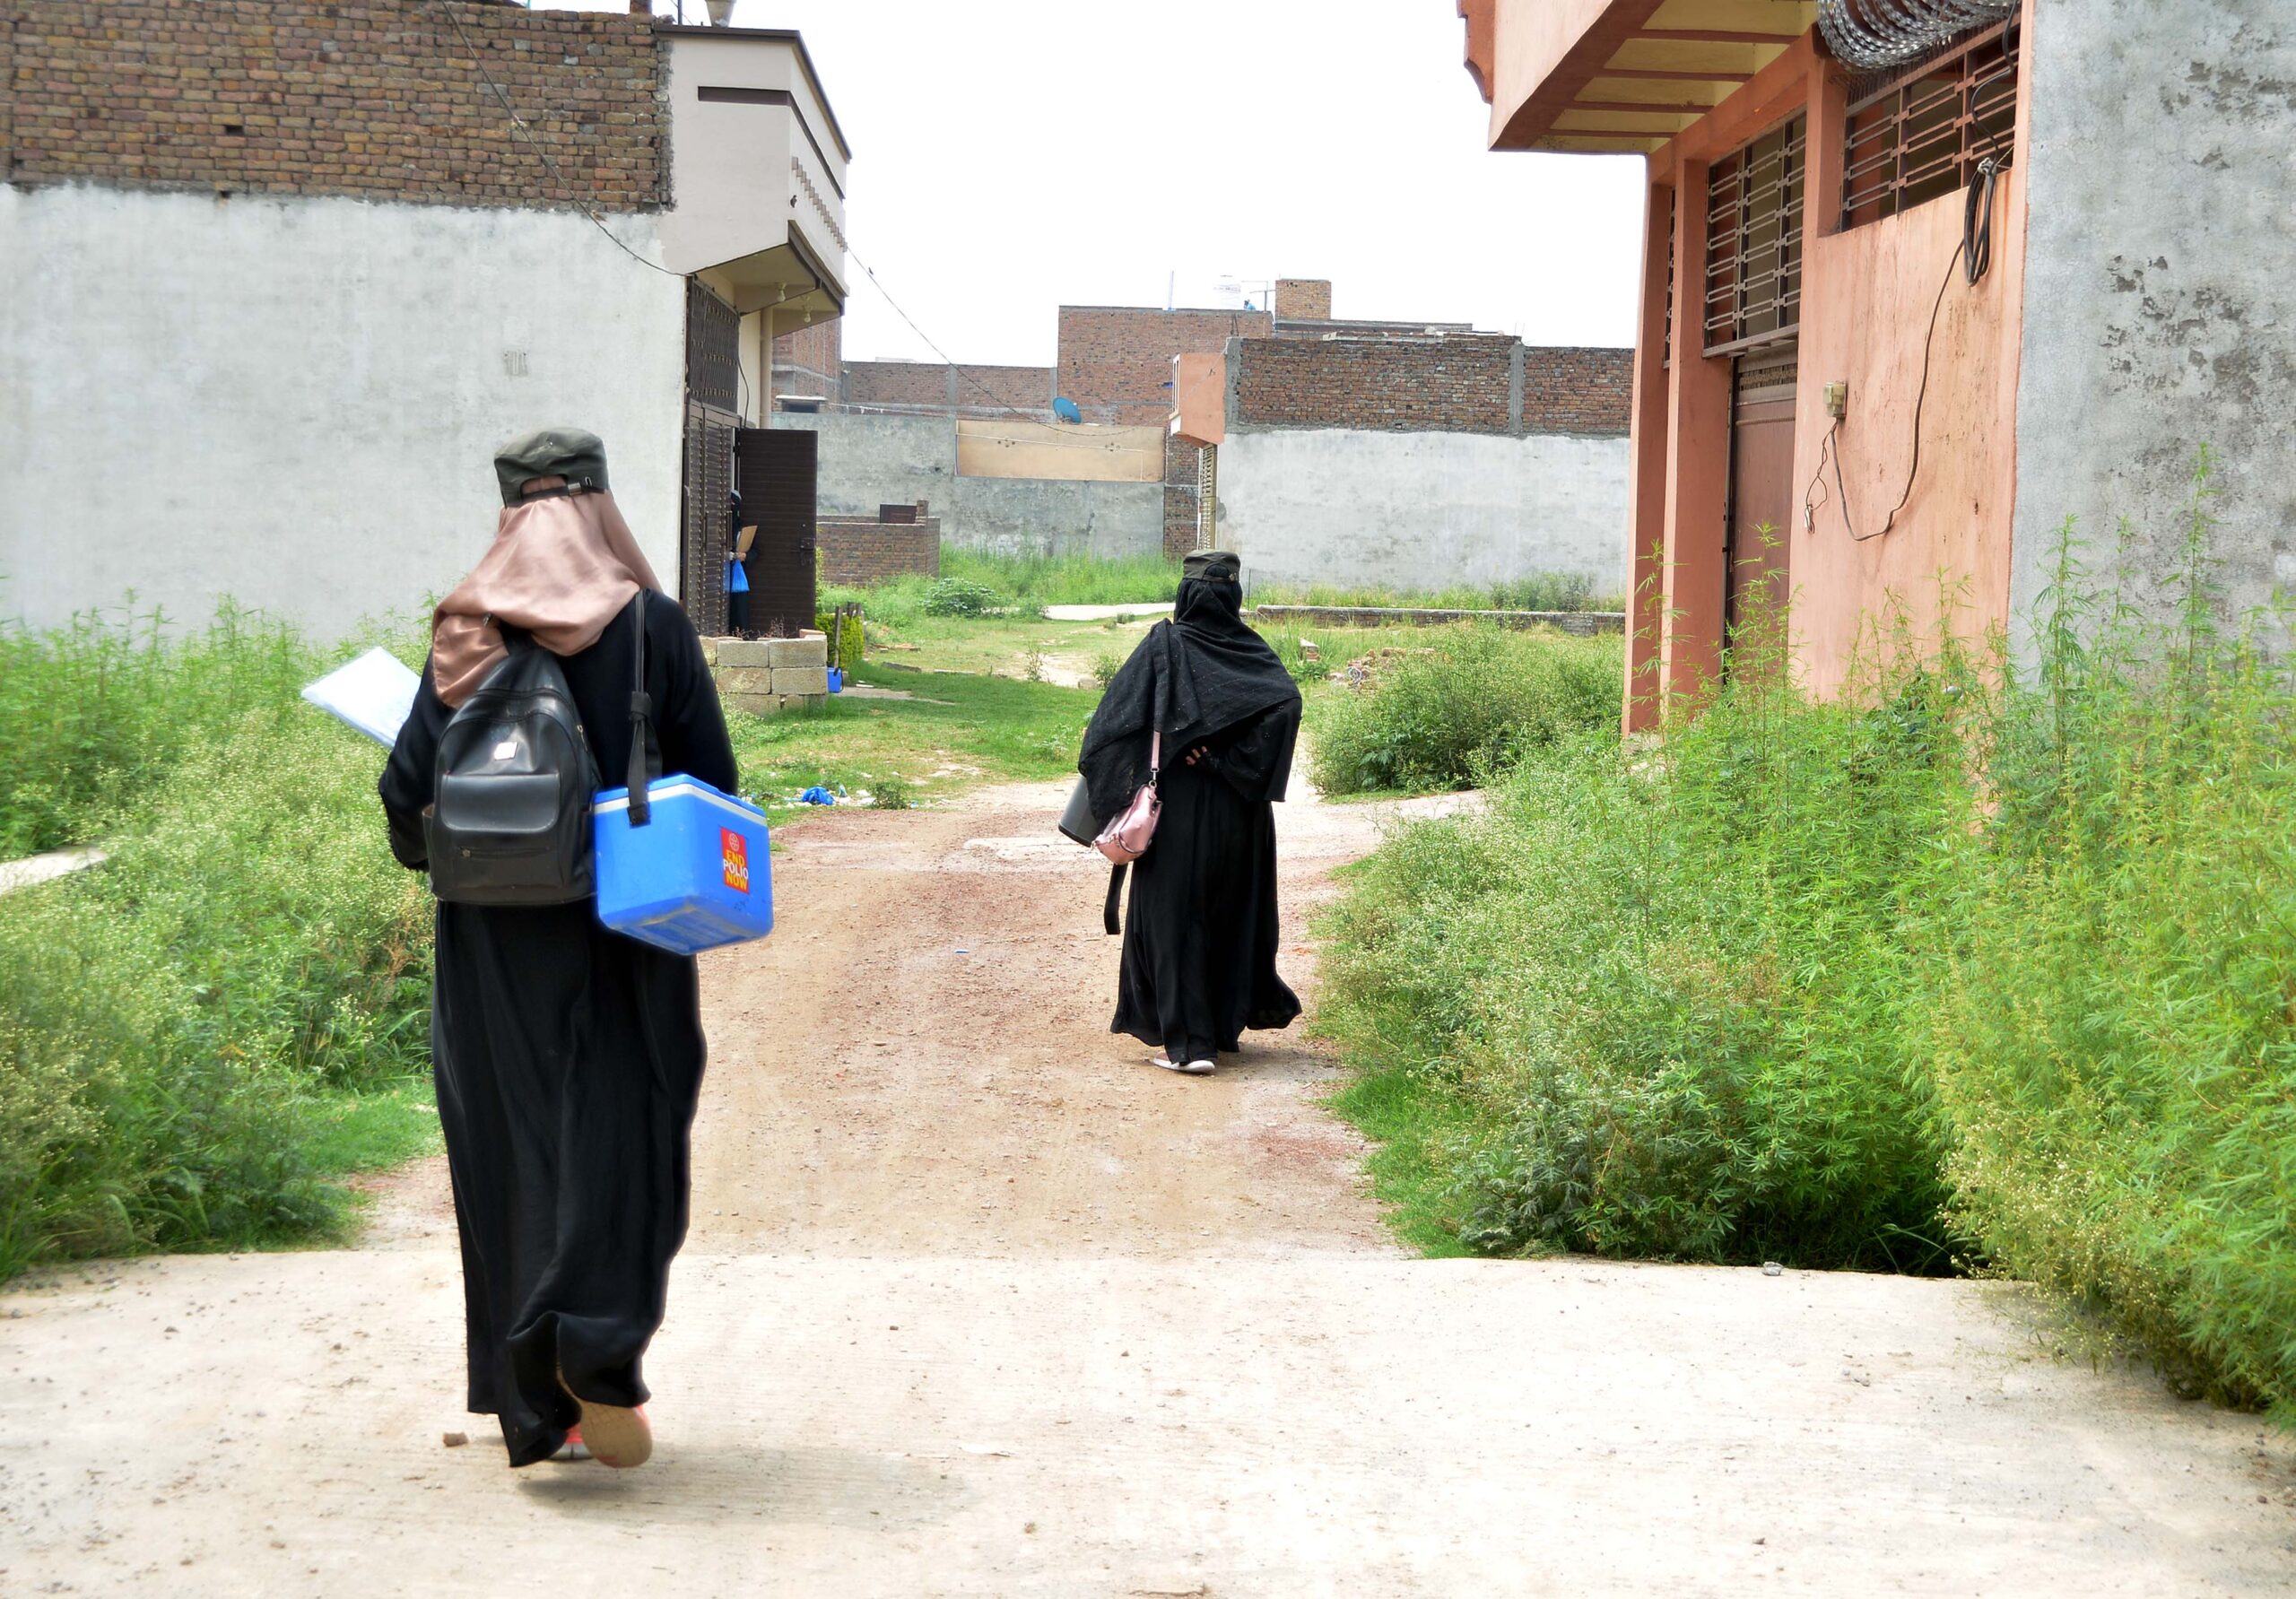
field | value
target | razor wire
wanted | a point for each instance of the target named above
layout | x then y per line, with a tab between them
1877	35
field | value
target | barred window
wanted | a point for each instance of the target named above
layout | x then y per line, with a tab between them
1753	241
1923	133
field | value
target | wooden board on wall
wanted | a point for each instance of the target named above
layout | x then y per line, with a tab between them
1080	453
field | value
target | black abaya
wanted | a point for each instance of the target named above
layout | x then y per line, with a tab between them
1201	933
569	1059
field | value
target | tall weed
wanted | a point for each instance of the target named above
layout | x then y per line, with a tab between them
1977	964
1472	702
173	1021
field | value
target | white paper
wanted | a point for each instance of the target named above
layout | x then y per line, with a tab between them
373	693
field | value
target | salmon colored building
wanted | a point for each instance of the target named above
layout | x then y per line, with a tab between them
1919	281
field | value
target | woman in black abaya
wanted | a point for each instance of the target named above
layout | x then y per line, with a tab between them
569	1058
1200	935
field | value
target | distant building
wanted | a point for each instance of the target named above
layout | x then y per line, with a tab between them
277	275
1824	400
1483	458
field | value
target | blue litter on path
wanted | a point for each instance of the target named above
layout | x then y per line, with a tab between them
698	875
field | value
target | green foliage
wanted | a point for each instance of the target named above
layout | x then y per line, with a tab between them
1537	591
957	726
1106	664
956	596
849	649
893	793
1968	966
999	582
1306	664
2115	1018
184	1030
94	714
1472	702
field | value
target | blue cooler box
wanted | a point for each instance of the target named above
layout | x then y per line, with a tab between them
697	876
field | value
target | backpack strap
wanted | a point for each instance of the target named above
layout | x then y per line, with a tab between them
641	709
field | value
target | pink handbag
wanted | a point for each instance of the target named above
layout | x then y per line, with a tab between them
1126	838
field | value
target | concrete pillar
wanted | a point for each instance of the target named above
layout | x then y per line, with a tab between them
1698	463
1646	517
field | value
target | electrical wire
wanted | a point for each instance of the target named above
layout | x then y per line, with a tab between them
1974	256
929	344
519	123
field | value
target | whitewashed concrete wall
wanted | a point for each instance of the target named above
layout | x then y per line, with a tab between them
1422	510
296	402
869	459
2160	293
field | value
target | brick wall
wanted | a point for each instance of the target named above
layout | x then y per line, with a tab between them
1116	361
1575	390
918	385
1454	384
1303	298
859	551
1462	384
809	361
372	98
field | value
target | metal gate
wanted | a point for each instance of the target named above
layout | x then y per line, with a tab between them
775	469
713	333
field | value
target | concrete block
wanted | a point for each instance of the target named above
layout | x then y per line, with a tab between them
813	650
744	679
756	705
710	650
744	652
801	679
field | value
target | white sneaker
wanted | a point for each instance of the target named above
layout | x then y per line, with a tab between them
1191	1068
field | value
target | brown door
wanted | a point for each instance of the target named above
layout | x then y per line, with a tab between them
1761	489
774	469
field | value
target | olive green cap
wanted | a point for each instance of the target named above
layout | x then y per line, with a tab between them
579	457
1213	566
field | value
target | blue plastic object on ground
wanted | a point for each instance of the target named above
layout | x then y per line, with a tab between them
836	681
698	874
817	795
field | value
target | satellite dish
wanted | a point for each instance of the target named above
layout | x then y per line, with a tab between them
1065	408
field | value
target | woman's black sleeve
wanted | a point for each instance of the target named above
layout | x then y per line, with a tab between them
409	776
688	720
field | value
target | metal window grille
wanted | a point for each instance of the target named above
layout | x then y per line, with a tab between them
1207	497
707	498
1753	241
1924	133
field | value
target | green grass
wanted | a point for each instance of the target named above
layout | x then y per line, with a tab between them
960	729
94	714
1458	704
1972	967
1025	583
1538	591
196	1036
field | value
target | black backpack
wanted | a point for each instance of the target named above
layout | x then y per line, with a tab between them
509	820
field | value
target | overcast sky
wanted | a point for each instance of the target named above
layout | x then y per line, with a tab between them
1008	157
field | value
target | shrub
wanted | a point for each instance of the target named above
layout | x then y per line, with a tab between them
168	1020
955	596
1479	699
1972	964
1671	1000
893	792
848	648
94	713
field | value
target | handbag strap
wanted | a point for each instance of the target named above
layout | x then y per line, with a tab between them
1109	922
642	710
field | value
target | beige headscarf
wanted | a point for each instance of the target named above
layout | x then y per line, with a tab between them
561	566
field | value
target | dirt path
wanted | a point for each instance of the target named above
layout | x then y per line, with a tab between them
977	1302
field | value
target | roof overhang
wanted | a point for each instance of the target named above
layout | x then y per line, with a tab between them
1618	75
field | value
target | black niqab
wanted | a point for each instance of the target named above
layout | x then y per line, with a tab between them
1199	675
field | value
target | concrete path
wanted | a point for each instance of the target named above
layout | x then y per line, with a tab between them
979	1303
46	868
1103	612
